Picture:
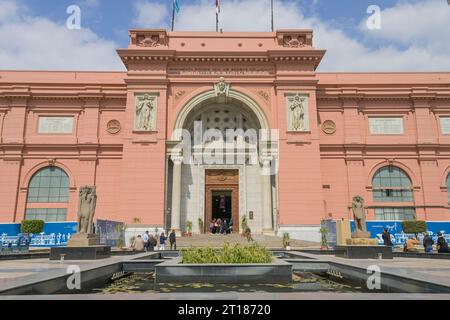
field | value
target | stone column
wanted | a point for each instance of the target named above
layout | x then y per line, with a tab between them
176	193
267	196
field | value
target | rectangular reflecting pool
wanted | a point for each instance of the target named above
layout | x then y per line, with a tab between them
136	283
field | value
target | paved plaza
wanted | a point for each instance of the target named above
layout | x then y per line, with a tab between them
17	272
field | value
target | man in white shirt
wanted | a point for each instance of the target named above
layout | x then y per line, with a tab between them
146	238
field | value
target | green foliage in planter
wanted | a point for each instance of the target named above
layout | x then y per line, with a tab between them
32	226
189	226
414	226
286	240
324	235
229	254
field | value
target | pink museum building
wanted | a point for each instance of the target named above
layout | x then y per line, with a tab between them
327	136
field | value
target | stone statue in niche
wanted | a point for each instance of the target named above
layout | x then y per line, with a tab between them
145	112
297	109
222	88
86	208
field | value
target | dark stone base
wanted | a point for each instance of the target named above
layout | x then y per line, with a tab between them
81	253
278	272
363	252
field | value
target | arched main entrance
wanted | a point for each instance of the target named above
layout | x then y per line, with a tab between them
219	175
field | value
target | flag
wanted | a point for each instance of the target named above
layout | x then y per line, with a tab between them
217	6
176	6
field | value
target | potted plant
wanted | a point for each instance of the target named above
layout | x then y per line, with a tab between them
188	232
201	225
287	241
324	241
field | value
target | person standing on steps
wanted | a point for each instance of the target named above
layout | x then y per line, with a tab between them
146	238
173	240
162	242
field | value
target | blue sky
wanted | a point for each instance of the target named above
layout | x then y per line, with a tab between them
413	36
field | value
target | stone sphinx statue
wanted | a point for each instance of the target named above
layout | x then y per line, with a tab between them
86	208
359	215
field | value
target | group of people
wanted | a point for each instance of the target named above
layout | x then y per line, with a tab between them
219	226
412	242
148	242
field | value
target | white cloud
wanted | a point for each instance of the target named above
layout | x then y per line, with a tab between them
414	36
423	23
28	42
150	14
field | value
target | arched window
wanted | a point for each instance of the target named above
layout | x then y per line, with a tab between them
447	182
392	184
48	195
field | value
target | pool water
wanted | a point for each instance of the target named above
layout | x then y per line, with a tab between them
145	283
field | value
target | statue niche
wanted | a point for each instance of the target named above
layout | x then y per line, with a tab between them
297	111
145	112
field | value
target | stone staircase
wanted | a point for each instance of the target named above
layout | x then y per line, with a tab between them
217	240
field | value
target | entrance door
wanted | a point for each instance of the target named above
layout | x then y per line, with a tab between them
222	197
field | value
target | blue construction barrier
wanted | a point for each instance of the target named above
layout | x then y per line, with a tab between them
396	230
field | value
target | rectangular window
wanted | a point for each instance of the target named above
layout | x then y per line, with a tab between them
386	125
47	215
55	125
395	214
392	195
445	125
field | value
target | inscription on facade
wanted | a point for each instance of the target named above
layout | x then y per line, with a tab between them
220	71
55	125
386	125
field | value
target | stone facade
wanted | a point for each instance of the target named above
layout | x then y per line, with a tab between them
326	153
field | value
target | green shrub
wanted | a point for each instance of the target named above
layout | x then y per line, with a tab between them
414	226
32	226
286	240
229	254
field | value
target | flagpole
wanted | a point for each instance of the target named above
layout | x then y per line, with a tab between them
271	6
217	16
173	15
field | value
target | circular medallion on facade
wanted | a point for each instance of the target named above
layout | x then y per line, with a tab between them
329	127
113	127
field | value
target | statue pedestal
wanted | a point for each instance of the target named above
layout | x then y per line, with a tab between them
362	242
83	240
360	235
80	253
81	246
363	248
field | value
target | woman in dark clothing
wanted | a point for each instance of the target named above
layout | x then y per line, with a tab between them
428	243
387	238
442	244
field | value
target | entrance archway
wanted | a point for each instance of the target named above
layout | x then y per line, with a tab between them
192	194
